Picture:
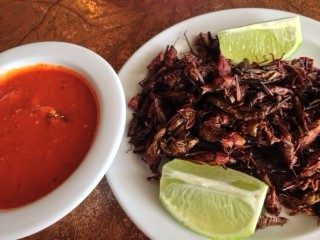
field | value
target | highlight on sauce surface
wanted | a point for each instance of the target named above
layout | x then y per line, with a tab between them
49	115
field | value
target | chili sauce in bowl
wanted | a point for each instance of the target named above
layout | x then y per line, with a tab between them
48	119
62	116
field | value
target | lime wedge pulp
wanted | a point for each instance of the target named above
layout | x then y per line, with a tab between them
257	42
213	201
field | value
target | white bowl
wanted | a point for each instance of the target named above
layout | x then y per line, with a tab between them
26	220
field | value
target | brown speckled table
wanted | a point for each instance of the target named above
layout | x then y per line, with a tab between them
114	29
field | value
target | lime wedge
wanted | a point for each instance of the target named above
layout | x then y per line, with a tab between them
259	41
212	201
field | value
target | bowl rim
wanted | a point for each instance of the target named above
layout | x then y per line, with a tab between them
31	218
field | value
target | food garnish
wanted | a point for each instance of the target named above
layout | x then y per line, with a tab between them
255	42
213	201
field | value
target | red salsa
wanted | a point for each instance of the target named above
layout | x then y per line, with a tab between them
48	119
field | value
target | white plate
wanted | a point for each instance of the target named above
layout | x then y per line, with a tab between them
127	175
28	219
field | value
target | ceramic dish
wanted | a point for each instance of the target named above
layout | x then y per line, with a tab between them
28	219
127	176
